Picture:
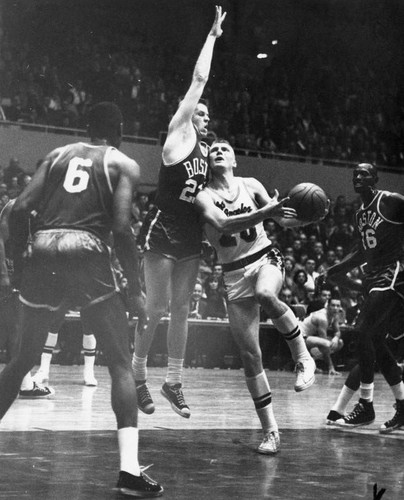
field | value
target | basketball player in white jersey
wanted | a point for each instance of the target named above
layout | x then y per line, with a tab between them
233	209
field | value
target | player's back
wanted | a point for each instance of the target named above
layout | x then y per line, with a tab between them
78	193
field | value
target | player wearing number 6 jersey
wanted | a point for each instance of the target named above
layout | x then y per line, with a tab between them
234	209
380	223
82	193
172	236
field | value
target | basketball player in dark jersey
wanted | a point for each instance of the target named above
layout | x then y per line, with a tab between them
380	252
82	192
171	234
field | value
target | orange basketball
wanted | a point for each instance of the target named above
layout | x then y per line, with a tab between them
309	200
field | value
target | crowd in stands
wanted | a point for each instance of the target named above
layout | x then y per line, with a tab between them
302	103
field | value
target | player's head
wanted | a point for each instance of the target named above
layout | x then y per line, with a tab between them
105	122
200	118
221	156
364	177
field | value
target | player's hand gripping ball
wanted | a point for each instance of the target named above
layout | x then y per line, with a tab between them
310	202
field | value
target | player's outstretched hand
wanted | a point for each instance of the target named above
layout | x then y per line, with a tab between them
275	208
216	29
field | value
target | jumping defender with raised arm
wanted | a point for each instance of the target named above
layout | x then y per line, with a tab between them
172	236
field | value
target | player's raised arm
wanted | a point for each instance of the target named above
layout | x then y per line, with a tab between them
181	129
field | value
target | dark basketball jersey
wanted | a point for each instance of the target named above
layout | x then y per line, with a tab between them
381	237
78	192
179	183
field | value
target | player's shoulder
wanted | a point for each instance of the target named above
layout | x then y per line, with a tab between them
392	206
118	156
119	162
392	197
55	153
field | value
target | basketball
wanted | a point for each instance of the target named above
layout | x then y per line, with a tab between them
309	200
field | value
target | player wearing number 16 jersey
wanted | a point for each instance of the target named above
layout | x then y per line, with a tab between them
233	209
380	252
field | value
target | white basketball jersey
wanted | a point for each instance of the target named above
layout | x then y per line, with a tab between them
230	248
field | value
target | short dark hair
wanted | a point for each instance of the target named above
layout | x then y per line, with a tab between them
104	120
372	169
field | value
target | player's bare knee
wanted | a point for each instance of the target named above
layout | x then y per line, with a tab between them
251	360
269	301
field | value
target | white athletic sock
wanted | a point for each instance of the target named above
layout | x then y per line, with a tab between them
262	397
343	399
288	326
128	443
89	346
366	392
46	356
174	371
27	383
139	367
398	390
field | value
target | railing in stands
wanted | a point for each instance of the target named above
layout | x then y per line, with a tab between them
155	141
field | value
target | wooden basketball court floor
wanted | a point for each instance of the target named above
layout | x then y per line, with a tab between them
66	448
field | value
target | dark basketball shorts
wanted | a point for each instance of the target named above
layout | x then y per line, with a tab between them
172	236
395	326
240	283
383	310
389	277
67	265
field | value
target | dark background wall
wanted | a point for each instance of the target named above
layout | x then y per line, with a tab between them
31	146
